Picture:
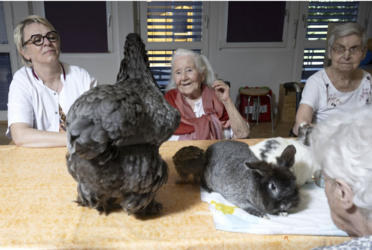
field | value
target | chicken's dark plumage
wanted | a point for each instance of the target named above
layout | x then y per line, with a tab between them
114	134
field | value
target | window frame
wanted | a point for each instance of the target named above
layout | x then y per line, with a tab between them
222	24
39	9
9	48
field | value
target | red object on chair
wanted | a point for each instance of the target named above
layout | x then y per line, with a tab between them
265	101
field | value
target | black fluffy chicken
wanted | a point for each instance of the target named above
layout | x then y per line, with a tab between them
114	134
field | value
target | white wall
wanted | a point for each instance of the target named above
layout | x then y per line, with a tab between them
252	67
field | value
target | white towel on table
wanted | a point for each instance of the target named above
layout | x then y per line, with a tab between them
311	217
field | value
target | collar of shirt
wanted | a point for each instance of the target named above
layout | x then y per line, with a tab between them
63	71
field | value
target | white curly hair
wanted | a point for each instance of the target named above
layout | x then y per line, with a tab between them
201	63
342	146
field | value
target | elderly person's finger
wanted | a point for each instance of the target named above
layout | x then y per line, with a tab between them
222	90
219	83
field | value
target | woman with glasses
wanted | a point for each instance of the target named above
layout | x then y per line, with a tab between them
42	92
342	146
341	86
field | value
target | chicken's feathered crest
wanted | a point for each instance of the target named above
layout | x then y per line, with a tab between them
135	60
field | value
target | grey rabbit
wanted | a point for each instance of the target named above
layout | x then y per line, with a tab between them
255	186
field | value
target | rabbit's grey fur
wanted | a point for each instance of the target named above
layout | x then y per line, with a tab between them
256	186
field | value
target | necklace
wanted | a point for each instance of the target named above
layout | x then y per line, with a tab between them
56	88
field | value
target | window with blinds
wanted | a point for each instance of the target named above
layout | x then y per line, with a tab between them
323	12
174	21
320	14
160	65
171	22
313	62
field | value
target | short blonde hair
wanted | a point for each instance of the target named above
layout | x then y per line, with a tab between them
18	34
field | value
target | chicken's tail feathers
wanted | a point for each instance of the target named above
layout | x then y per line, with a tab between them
74	129
163	173
89	140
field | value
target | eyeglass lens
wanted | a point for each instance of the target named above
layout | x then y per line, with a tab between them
352	50
38	39
318	178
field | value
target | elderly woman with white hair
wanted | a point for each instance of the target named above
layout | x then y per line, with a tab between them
341	86
342	146
42	92
207	110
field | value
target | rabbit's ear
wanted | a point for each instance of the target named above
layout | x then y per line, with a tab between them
287	158
254	167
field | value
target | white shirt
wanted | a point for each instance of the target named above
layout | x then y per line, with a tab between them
199	111
31	102
320	94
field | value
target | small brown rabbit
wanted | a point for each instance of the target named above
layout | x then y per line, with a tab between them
189	160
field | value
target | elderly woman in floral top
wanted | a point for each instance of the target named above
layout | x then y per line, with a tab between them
341	86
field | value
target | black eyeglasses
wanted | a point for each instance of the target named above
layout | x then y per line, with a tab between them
38	39
353	50
319	179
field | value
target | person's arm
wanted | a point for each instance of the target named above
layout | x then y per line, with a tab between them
304	114
25	136
238	125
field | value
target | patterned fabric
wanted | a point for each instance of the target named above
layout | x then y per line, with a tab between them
320	94
206	127
336	98
199	112
362	243
62	120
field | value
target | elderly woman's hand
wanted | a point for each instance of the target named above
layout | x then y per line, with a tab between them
222	90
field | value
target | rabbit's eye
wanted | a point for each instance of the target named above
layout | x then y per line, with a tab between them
272	186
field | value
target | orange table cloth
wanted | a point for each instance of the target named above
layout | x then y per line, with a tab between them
37	211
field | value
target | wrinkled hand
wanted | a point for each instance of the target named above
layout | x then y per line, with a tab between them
222	90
